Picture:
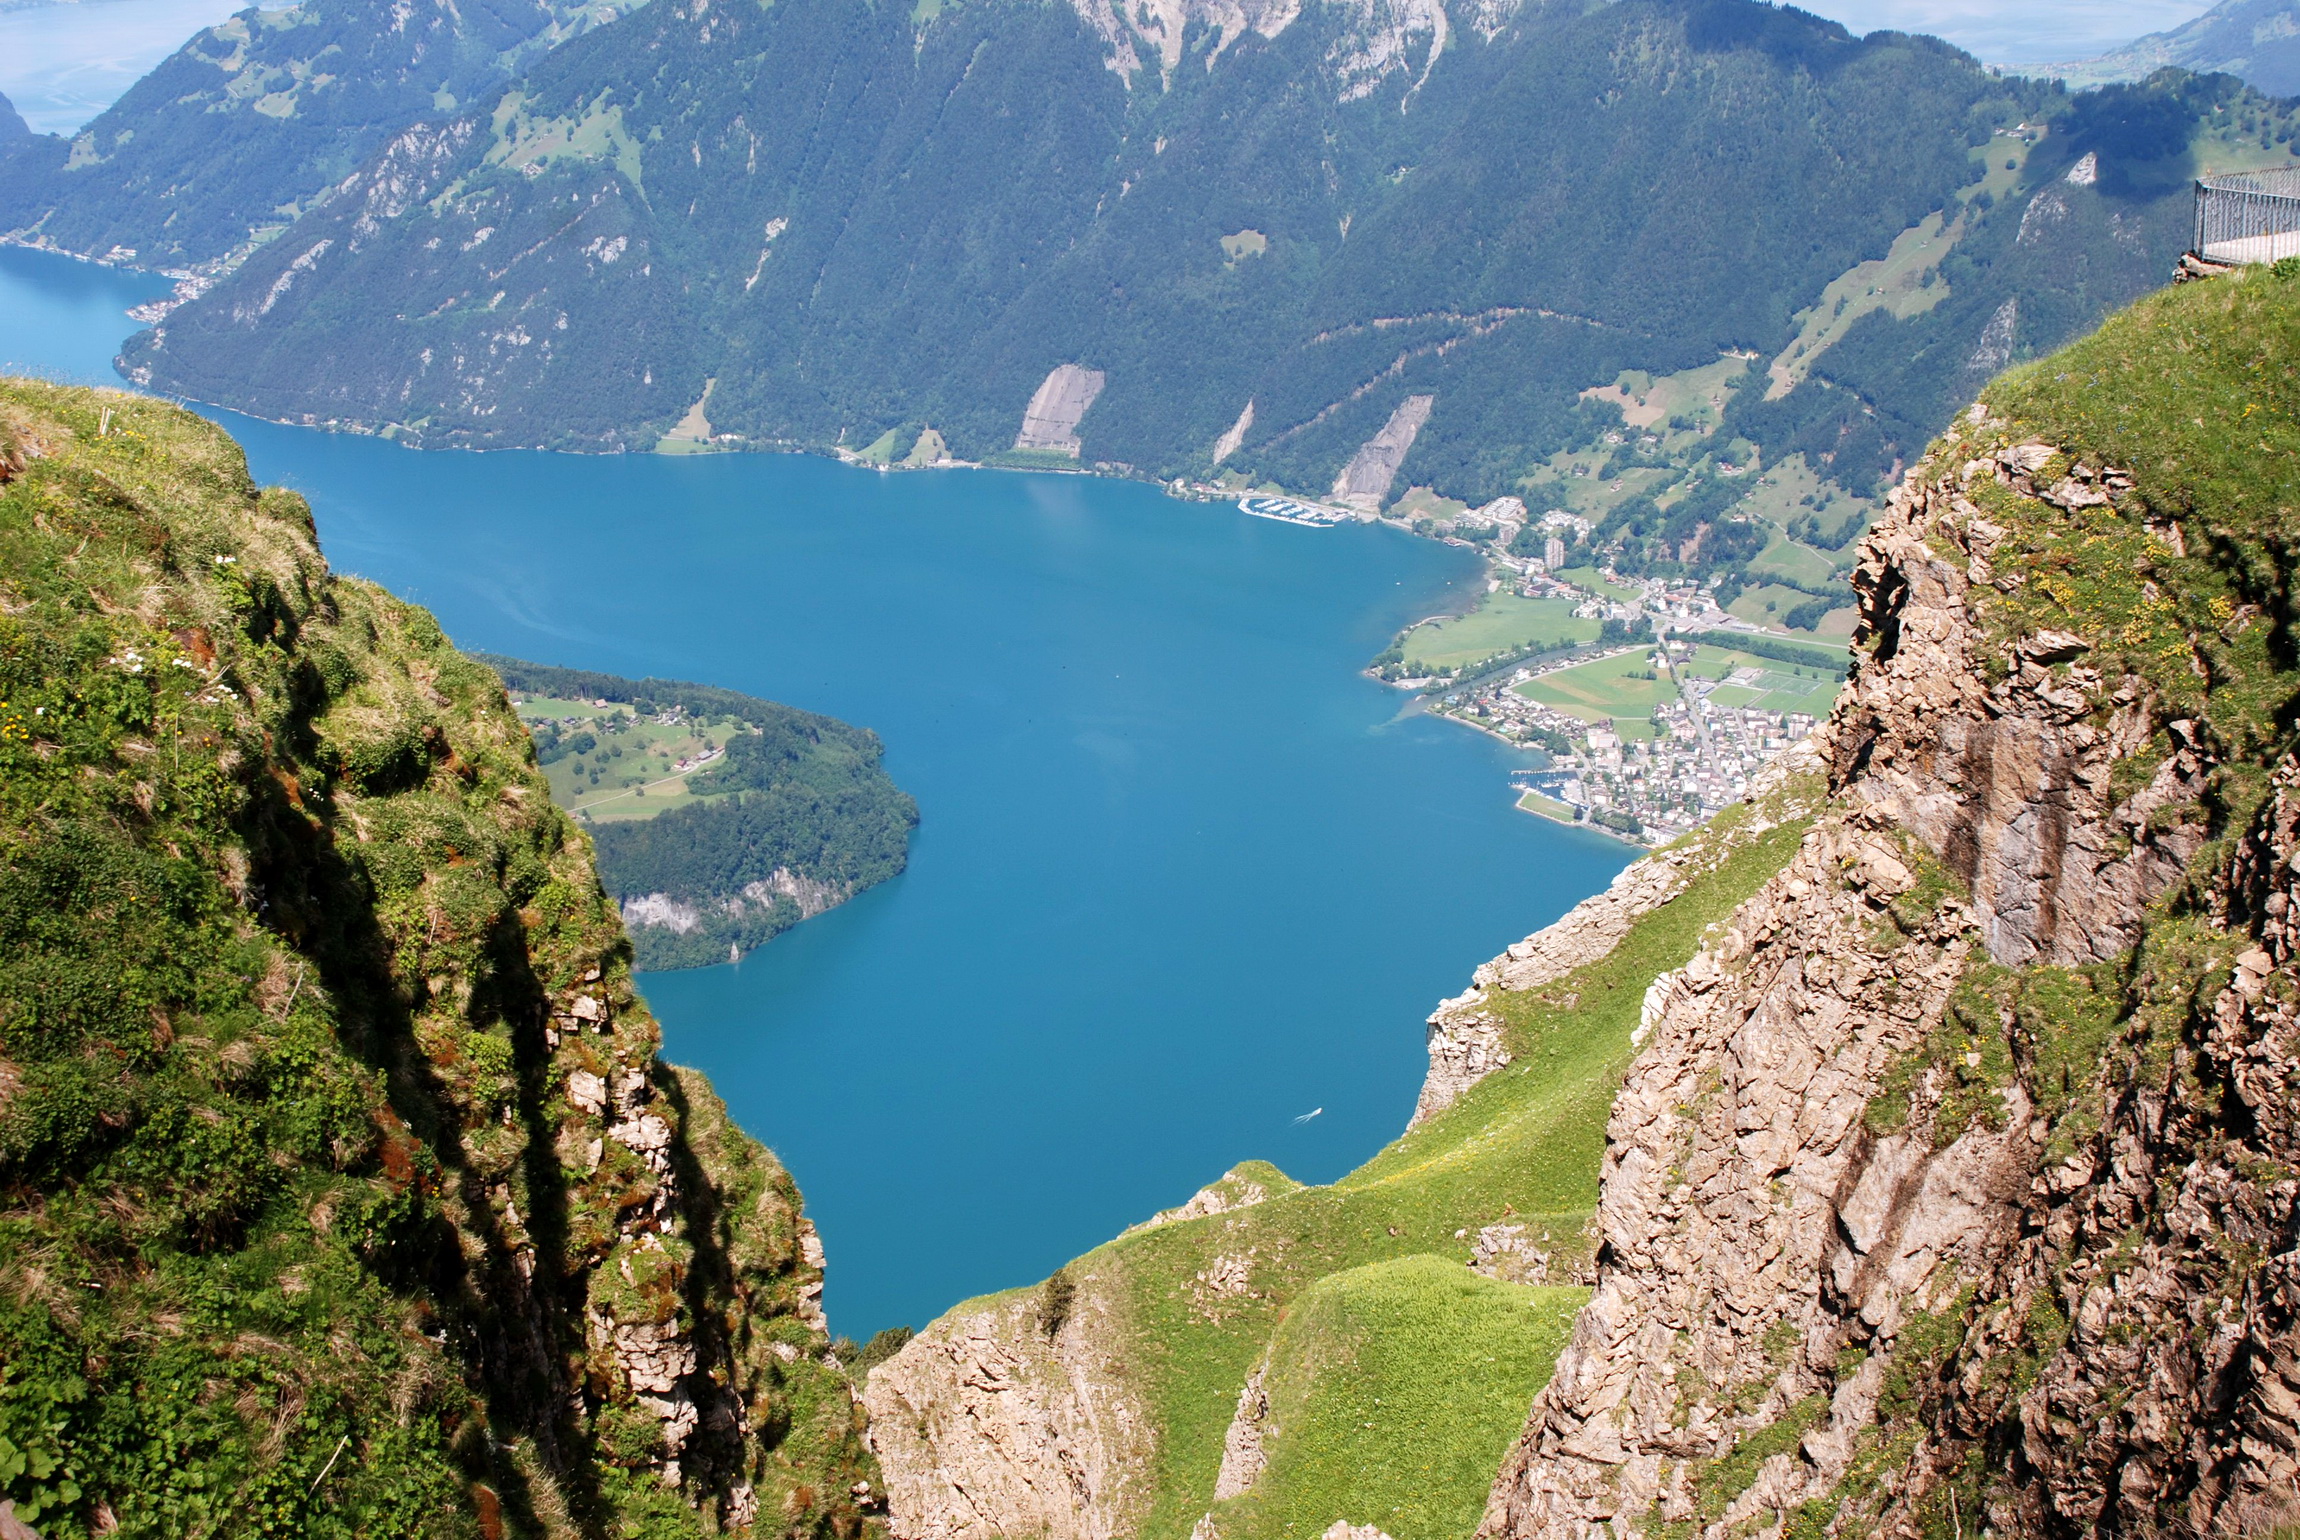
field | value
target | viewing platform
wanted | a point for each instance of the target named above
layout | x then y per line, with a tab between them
2247	217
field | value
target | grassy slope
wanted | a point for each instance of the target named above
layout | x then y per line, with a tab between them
284	909
1394	1390
1523	1146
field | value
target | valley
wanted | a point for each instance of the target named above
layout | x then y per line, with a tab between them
1020	503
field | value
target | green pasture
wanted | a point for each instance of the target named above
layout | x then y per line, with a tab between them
1503	623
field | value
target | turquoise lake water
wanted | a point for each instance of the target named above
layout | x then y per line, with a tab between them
1183	874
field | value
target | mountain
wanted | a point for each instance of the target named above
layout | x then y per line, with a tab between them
217	149
795	816
1346	247
844	222
2258	41
1911	1147
342	1191
12	124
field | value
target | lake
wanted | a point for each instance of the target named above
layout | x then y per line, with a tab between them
1183	876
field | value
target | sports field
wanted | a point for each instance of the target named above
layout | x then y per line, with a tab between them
1615	690
1767	684
1503	623
1610	690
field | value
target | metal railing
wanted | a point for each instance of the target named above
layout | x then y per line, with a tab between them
2248	216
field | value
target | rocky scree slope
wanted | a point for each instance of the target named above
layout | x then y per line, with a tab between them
341	1189
1953	1191
1266	1358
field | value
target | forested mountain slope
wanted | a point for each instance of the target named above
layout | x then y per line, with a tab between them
234	133
1931	1115
2257	41
857	220
342	1192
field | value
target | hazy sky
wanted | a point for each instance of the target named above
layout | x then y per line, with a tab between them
2017	31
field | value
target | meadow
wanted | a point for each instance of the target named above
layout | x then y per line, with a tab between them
1503	622
630	769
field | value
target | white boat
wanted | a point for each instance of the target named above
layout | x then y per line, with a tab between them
1286	511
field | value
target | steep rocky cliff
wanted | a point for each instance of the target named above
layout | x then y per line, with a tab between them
341	1189
1953	1189
1946	1183
1269	1359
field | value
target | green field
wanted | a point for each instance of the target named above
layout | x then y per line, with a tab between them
1784	557
1779	686
1547	807
1768	604
1503	623
1607	690
631	771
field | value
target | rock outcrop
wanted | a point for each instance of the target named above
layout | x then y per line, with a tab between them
1365	482
1056	408
1951	1189
1010	1417
1467	1041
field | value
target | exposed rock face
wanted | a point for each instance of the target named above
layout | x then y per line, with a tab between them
1056	408
1883	1210
987	1424
811	896
1234	1191
1365	482
1158	26
1242	1456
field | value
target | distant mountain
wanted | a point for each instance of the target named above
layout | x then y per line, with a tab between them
223	144
1199	234
12	124
2258	41
857	220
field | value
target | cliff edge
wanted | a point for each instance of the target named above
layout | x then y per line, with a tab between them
1911	1149
342	1191
1952	1191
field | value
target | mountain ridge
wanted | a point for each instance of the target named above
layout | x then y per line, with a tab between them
342	1189
1925	1132
2256	40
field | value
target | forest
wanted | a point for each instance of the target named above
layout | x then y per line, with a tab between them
799	814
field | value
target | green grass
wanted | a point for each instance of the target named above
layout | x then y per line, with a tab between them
1395	1390
1768	604
1784	557
1780	686
636	761
239	1136
1547	807
1503	622
2193	390
1603	691
1521	1147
